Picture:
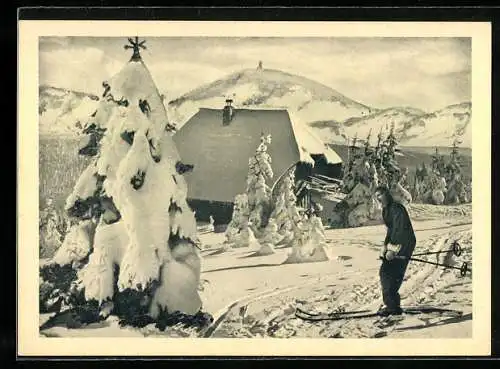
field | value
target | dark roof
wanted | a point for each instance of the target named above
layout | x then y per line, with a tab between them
220	153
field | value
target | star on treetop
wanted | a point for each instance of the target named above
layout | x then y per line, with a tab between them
136	46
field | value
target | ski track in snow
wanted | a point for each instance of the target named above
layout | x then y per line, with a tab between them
424	284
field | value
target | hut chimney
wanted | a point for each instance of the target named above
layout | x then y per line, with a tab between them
227	112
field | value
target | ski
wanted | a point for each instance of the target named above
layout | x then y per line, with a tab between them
335	316
410	310
431	309
302	311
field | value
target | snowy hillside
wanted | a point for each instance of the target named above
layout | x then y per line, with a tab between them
441	127
413	127
336	132
333	116
64	112
310	100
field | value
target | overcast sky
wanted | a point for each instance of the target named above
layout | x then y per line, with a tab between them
426	73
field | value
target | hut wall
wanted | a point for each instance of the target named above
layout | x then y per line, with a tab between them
303	171
220	211
322	167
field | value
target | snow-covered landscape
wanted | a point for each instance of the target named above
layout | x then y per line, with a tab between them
271	290
124	251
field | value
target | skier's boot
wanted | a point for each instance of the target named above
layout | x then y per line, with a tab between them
386	311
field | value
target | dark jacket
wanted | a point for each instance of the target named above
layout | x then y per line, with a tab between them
399	228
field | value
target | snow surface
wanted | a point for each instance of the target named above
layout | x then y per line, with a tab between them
271	290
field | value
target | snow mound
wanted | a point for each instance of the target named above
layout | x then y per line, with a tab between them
246	238
309	253
179	275
77	244
265	249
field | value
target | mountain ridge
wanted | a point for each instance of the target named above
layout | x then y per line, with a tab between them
333	116
244	75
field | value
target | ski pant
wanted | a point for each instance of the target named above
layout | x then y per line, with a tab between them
391	277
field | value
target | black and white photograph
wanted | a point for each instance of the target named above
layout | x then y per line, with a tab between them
258	187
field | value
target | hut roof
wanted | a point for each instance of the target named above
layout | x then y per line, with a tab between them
220	152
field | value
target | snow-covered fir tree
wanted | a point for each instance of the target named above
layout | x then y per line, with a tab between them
289	226
238	233
270	238
430	181
359	205
309	244
419	189
133	251
348	180
370	167
456	189
316	231
251	209
285	214
258	191
443	182
391	170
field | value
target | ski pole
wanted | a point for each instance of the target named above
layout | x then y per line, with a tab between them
463	269
455	248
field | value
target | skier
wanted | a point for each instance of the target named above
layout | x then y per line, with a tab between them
398	247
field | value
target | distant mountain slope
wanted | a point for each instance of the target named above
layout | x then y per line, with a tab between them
333	116
309	99
362	126
441	127
413	127
62	111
